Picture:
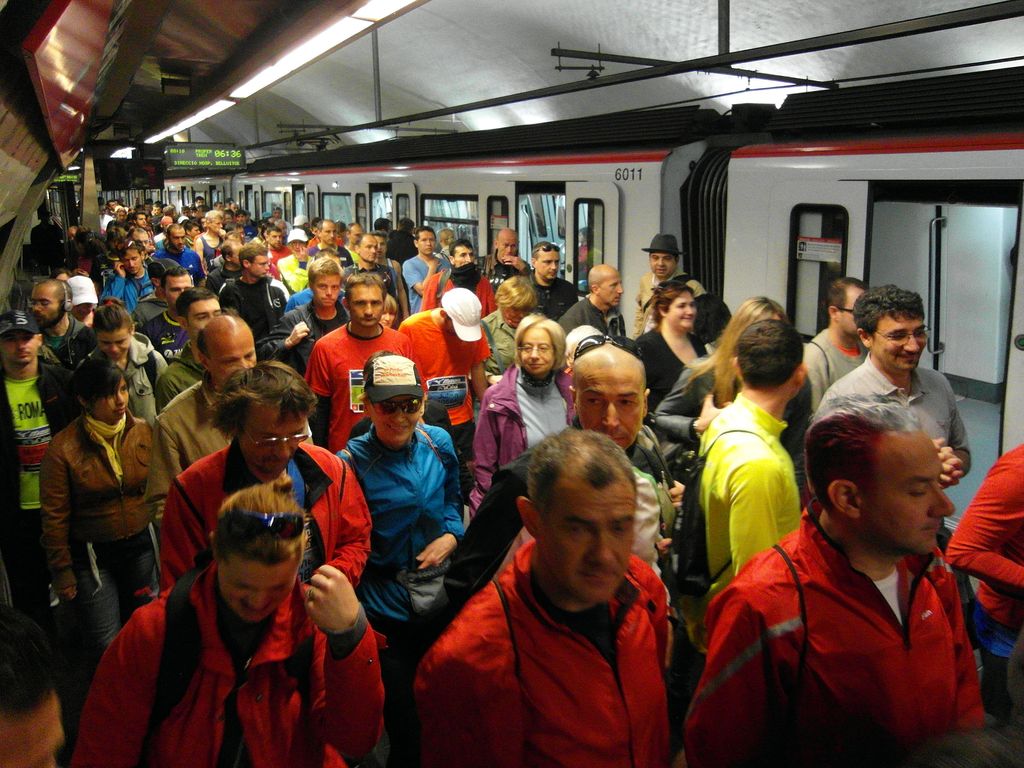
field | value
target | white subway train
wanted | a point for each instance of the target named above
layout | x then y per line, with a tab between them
939	215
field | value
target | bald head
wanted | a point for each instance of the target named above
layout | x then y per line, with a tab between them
611	393
506	246
605	287
224	346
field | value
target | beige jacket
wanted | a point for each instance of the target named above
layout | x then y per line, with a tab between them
643	301
183	434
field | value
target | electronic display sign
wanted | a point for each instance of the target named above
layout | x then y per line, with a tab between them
203	157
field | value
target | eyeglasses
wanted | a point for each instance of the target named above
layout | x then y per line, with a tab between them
529	349
292	441
247	524
902	337
388	407
593	342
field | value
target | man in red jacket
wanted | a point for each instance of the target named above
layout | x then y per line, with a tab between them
265	411
845	644
559	662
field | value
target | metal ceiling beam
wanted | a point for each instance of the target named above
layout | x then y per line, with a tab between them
640	61
922	25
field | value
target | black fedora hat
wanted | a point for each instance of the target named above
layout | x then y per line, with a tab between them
664	243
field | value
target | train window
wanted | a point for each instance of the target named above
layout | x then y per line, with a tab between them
287	206
311	205
588	239
248	202
299	200
541	216
497	218
460	213
271	200
381	202
338	206
817	256
360	210
402	206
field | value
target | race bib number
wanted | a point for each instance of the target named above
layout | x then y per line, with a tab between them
355	390
449	391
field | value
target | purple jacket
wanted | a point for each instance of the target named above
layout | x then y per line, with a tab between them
500	429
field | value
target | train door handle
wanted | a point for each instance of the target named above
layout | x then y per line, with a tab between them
1018	342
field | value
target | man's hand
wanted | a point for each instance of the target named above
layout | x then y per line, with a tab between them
299	332
119	269
708	413
436	551
67	594
952	465
675	493
330	600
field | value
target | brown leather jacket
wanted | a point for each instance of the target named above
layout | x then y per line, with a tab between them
81	498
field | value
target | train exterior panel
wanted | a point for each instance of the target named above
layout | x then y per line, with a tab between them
617	195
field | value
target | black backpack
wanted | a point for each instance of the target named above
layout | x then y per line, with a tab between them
689	531
183	647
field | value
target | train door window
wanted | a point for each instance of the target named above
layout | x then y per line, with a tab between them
299	200
459	213
272	200
381	203
247	202
588	239
497	218
288	216
310	205
540	215
361	210
817	256
402	206
338	206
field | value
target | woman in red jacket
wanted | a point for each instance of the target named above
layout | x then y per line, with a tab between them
246	702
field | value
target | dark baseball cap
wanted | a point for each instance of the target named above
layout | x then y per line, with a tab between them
17	320
157	267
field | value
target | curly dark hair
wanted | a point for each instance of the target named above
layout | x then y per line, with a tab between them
876	303
269	383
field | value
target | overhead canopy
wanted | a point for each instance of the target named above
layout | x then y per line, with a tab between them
444	53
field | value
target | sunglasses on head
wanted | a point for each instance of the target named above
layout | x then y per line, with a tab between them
388	407
672	285
547	247
252	524
593	342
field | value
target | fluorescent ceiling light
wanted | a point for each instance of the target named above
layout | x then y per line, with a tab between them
125	153
302	54
204	114
74	167
375	10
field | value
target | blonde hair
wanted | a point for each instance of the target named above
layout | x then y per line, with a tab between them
273	498
554	332
516	293
719	364
323	266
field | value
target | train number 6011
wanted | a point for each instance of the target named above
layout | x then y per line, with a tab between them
629	174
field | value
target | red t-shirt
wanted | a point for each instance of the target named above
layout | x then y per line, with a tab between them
445	362
335	370
483	291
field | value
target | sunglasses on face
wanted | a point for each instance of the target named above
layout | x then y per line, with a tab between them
593	342
249	525
388	407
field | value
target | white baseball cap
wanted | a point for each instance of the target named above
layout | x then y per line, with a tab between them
82	290
463	307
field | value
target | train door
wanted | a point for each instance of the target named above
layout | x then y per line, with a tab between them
540	216
592	224
298	202
959	258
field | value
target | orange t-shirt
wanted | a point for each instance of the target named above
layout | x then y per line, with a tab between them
335	370
445	361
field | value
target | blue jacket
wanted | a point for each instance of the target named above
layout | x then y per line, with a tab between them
128	289
413	496
188	259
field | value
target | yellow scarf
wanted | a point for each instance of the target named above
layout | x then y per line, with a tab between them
108	437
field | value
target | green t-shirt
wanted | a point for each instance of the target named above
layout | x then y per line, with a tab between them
31	436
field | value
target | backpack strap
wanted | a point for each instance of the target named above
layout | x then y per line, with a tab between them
150	368
179	658
442	281
828	366
508	620
791	706
494	349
